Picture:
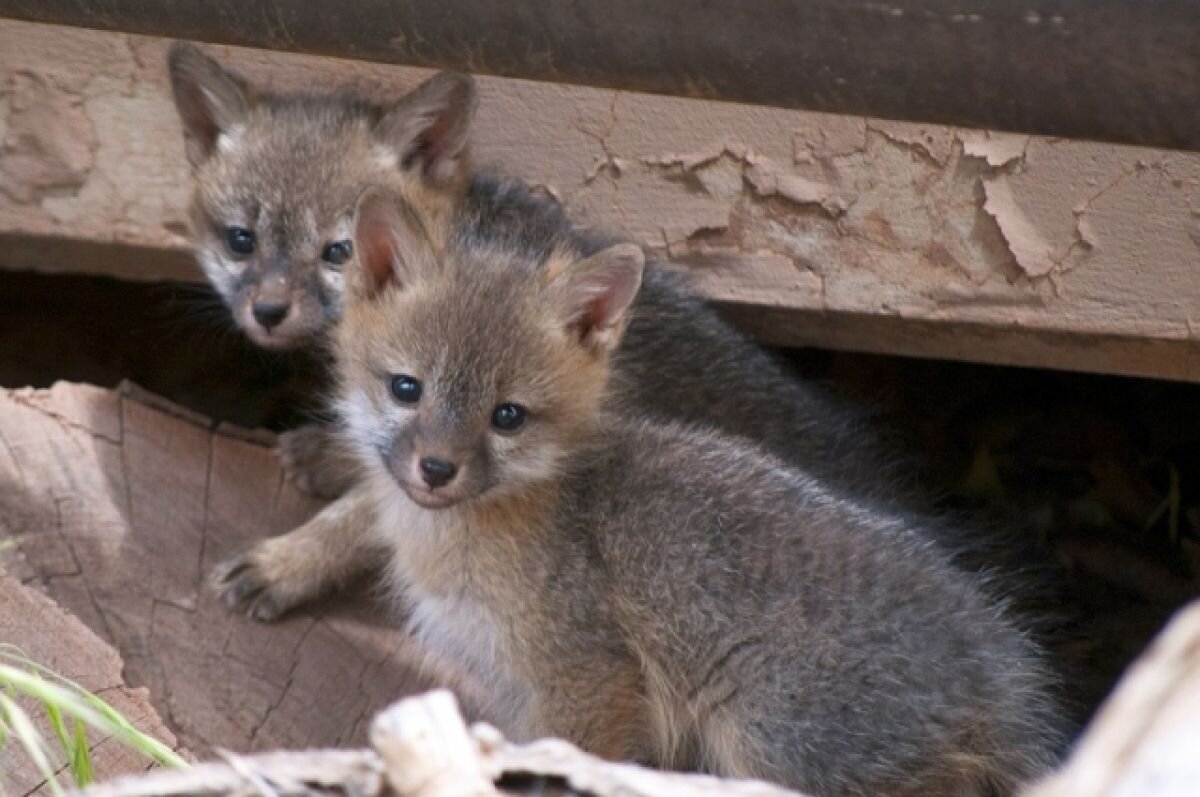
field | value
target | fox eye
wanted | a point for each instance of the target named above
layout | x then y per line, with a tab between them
240	240
508	417
338	252
405	389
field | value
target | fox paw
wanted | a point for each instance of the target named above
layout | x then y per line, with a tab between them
245	583
313	462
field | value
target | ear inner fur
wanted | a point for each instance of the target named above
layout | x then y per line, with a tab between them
391	242
210	99
596	293
428	129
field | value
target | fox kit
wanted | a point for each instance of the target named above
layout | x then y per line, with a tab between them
647	589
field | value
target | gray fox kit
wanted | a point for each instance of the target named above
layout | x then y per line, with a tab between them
648	589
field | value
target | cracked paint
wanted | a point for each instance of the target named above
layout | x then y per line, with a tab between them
769	179
1031	251
996	149
49	141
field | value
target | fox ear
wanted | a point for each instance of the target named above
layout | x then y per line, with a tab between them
210	99
391	245
428	128
596	294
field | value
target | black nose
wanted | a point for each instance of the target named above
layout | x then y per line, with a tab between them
270	314
437	472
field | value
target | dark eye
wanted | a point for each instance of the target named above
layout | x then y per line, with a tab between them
405	389
337	252
508	417
240	240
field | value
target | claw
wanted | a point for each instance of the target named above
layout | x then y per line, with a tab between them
264	609
227	570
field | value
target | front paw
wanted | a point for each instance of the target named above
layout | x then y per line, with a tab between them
248	583
313	461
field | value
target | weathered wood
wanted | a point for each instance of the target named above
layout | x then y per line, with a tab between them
1118	70
809	229
119	506
53	638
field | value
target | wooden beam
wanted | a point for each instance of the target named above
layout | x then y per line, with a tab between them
808	229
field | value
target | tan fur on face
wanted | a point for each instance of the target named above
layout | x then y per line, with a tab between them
471	332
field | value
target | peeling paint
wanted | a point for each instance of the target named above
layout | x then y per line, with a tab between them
1032	252
768	179
931	141
49	141
693	160
996	149
723	178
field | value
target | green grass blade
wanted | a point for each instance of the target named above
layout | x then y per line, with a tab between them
60	728
65	699
35	747
81	759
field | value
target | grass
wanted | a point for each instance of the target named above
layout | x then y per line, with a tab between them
71	711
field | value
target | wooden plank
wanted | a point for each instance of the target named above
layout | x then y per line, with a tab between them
810	229
1117	70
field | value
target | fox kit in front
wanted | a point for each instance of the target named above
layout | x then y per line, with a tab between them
649	590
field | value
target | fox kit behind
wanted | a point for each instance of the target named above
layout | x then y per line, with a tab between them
650	590
274	182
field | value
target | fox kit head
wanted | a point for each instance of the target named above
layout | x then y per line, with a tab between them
471	373
276	179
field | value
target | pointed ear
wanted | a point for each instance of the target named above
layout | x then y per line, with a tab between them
595	294
390	243
210	100
428	129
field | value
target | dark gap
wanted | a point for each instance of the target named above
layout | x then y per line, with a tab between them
174	339
530	785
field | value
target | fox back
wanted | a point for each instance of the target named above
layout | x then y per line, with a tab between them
655	591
